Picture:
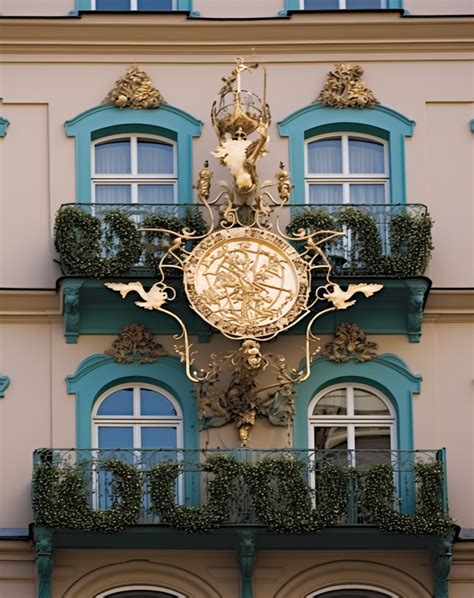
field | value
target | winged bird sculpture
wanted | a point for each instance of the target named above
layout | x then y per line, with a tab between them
152	299
340	298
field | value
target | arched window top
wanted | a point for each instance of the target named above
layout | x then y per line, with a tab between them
351	401
381	124
352	591
166	132
141	592
138	402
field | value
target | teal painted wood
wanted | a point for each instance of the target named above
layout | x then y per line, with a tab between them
442	558
471	124
389	374
97	373
296	5
246	562
317	119
3	126
184	5
106	119
4	384
44	548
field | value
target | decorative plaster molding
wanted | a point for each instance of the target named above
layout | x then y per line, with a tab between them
350	342
135	344
134	90
344	88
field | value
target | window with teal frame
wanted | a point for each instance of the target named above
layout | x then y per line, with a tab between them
150	133
381	124
342	5
161	399
134	5
3	126
386	376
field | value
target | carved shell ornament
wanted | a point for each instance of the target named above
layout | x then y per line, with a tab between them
244	276
344	88
134	90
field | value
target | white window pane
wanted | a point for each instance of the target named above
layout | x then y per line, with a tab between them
155	193
325	157
366	403
154	403
360	4
155	158
113	194
321	4
113	157
115	437
367	194
366	157
325	194
334	403
158	437
334	438
119	402
112	4
155	4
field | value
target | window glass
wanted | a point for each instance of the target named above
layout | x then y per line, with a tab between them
113	157
351	593
334	403
366	403
154	157
325	194
366	157
118	403
321	4
113	437
158	437
113	194
360	4
367	194
154	403
334	438
155	193
155	4
325	156
112	4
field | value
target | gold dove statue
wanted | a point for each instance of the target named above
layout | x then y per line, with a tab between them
340	298
153	299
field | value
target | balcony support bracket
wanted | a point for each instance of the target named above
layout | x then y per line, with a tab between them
44	547
72	312
416	303
442	555
246	555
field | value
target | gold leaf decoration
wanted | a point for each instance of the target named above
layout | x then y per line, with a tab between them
345	89
134	90
135	344
350	342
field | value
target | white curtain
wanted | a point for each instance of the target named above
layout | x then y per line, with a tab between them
155	194
155	158
369	194
113	157
366	157
113	194
325	194
325	157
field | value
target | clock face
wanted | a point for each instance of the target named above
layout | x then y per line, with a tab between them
247	283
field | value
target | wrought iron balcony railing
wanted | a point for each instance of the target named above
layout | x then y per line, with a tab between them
362	487
381	240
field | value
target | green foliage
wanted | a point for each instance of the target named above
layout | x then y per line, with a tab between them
409	236
221	490
96	249
378	492
60	498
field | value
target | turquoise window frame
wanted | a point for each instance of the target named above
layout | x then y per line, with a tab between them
387	373
295	5
317	119
105	120
4	384
3	126
182	5
98	373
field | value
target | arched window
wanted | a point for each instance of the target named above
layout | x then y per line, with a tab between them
141	592
354	418
137	416
134	169
345	168
352	592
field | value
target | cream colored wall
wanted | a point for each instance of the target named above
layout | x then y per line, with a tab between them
36	7
38	98
439	7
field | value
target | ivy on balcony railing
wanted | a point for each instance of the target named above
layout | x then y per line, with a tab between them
278	491
381	240
103	240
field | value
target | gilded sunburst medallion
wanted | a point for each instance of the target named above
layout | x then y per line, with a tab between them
247	283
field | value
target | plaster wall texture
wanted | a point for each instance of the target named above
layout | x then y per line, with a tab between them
39	98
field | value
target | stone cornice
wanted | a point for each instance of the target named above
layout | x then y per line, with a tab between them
173	33
450	306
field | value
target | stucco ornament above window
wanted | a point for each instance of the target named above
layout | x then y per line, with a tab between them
134	90
244	276
350	342
345	89
135	344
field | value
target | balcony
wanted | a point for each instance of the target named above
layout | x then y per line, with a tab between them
280	491
389	243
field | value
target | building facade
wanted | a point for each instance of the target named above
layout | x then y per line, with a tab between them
125	471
